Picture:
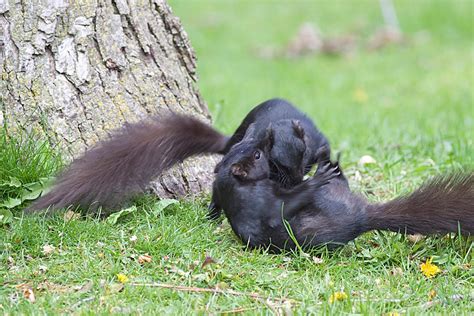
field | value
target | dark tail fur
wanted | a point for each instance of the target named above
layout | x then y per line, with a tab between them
108	173
442	205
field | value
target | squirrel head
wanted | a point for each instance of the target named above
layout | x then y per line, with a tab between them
248	159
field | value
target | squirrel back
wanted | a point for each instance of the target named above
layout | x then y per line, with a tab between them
109	173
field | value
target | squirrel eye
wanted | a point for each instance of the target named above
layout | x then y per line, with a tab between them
256	155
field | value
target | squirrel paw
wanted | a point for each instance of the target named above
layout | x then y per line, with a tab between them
214	211
327	170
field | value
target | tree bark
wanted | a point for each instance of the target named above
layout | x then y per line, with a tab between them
74	70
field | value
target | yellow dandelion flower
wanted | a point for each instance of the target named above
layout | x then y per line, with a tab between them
122	278
392	314
429	269
337	296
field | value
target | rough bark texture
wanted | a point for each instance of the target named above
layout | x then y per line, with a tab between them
74	70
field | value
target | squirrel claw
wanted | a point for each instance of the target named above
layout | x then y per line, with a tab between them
214	212
328	169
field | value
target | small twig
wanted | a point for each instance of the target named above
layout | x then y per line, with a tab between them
84	300
208	290
269	306
391	300
239	310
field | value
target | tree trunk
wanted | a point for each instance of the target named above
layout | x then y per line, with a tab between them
74	70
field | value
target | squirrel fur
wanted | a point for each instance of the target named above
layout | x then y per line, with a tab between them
112	171
323	210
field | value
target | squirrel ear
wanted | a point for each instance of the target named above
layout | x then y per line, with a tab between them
268	140
298	129
323	154
238	171
218	166
250	133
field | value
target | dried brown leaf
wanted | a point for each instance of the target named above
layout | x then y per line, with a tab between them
146	258
209	260
70	216
415	238
29	295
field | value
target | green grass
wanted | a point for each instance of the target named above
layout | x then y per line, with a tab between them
417	121
27	163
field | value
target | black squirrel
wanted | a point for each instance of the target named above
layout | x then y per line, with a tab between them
254	204
323	210
298	144
108	174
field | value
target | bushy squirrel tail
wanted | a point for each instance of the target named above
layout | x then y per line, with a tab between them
110	172
444	204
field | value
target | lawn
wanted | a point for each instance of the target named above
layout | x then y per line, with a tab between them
410	107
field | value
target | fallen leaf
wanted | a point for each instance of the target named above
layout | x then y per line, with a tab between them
29	295
146	258
48	249
70	215
415	238
466	266
207	261
365	160
317	260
